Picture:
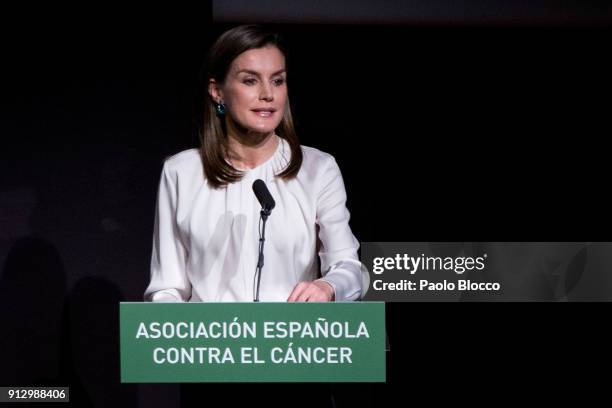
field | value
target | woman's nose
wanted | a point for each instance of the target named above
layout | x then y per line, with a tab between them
266	92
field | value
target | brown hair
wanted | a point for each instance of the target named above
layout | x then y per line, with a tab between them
212	133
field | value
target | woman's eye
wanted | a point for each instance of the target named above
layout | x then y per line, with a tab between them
249	81
279	82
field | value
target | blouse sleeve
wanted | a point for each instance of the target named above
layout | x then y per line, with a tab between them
340	266
169	282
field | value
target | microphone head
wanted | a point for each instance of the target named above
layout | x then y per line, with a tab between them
263	195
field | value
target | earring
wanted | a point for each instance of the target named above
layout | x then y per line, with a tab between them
220	108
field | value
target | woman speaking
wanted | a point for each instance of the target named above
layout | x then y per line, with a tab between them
206	239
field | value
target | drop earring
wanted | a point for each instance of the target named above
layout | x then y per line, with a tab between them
220	108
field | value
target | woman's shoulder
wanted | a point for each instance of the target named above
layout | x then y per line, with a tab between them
185	160
317	165
315	157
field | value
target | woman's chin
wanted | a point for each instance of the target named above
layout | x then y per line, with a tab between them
261	129
256	127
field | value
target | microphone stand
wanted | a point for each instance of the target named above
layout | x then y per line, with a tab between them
263	216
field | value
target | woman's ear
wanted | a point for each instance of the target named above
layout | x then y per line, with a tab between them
214	91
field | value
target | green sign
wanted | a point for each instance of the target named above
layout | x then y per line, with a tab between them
253	342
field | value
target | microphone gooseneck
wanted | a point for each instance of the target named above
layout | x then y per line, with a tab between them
267	204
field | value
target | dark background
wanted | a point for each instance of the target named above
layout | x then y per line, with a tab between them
449	125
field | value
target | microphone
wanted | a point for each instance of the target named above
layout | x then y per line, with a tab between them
267	204
263	196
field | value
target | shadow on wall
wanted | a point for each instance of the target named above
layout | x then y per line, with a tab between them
50	339
32	290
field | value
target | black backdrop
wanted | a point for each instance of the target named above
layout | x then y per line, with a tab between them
477	132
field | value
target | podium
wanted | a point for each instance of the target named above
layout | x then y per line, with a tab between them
252	342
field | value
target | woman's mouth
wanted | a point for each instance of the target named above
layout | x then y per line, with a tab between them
264	113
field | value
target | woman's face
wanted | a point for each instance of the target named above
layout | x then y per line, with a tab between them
255	90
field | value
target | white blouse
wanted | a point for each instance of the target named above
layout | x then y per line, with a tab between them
206	240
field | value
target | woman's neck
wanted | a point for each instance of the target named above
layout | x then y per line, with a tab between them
249	151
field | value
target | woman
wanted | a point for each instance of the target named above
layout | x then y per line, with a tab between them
206	237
